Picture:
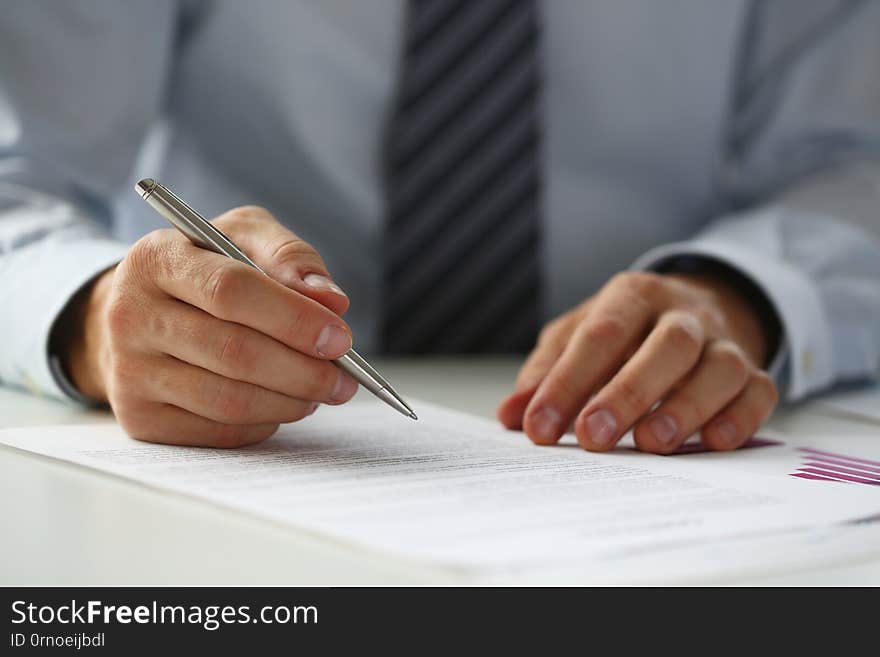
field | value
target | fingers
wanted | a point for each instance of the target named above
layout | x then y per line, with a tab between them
670	351
739	421
240	353
668	355
282	254
551	343
234	292
597	347
164	423
218	398
203	350
721	375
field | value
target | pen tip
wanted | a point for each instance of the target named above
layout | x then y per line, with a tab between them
413	415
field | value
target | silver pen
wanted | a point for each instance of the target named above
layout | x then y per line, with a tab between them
205	235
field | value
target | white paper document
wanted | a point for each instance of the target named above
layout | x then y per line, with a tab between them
461	491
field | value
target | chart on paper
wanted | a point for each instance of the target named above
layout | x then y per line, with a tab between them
830	466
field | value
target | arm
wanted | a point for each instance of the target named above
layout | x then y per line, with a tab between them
801	165
80	86
814	253
187	346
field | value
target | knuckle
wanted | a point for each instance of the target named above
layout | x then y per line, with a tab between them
120	317
534	370
606	328
645	284
234	354
708	316
145	248
221	285
303	323
563	387
684	333
620	281
230	403
548	333
731	359
630	398
295	250
143	258
619	285
123	375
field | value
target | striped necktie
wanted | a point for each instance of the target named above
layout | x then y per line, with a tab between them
462	165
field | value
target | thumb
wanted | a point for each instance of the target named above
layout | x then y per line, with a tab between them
283	255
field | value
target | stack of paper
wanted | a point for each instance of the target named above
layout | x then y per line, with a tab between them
461	491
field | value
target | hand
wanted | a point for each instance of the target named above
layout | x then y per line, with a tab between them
191	347
691	344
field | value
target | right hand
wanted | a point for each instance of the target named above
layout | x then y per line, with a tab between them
193	348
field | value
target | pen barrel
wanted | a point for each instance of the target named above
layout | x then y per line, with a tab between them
188	221
361	371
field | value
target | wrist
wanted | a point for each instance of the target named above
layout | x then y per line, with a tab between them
78	337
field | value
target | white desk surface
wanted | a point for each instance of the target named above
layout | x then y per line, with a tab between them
67	525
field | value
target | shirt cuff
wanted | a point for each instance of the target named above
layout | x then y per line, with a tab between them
804	359
61	270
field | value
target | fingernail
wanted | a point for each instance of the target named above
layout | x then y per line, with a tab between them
664	429
546	422
344	389
601	427
726	431
319	282
333	341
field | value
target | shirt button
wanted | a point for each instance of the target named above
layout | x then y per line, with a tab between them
29	384
807	362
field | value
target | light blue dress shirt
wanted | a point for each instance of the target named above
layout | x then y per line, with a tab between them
678	128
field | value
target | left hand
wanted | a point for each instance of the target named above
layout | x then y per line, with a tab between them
690	343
